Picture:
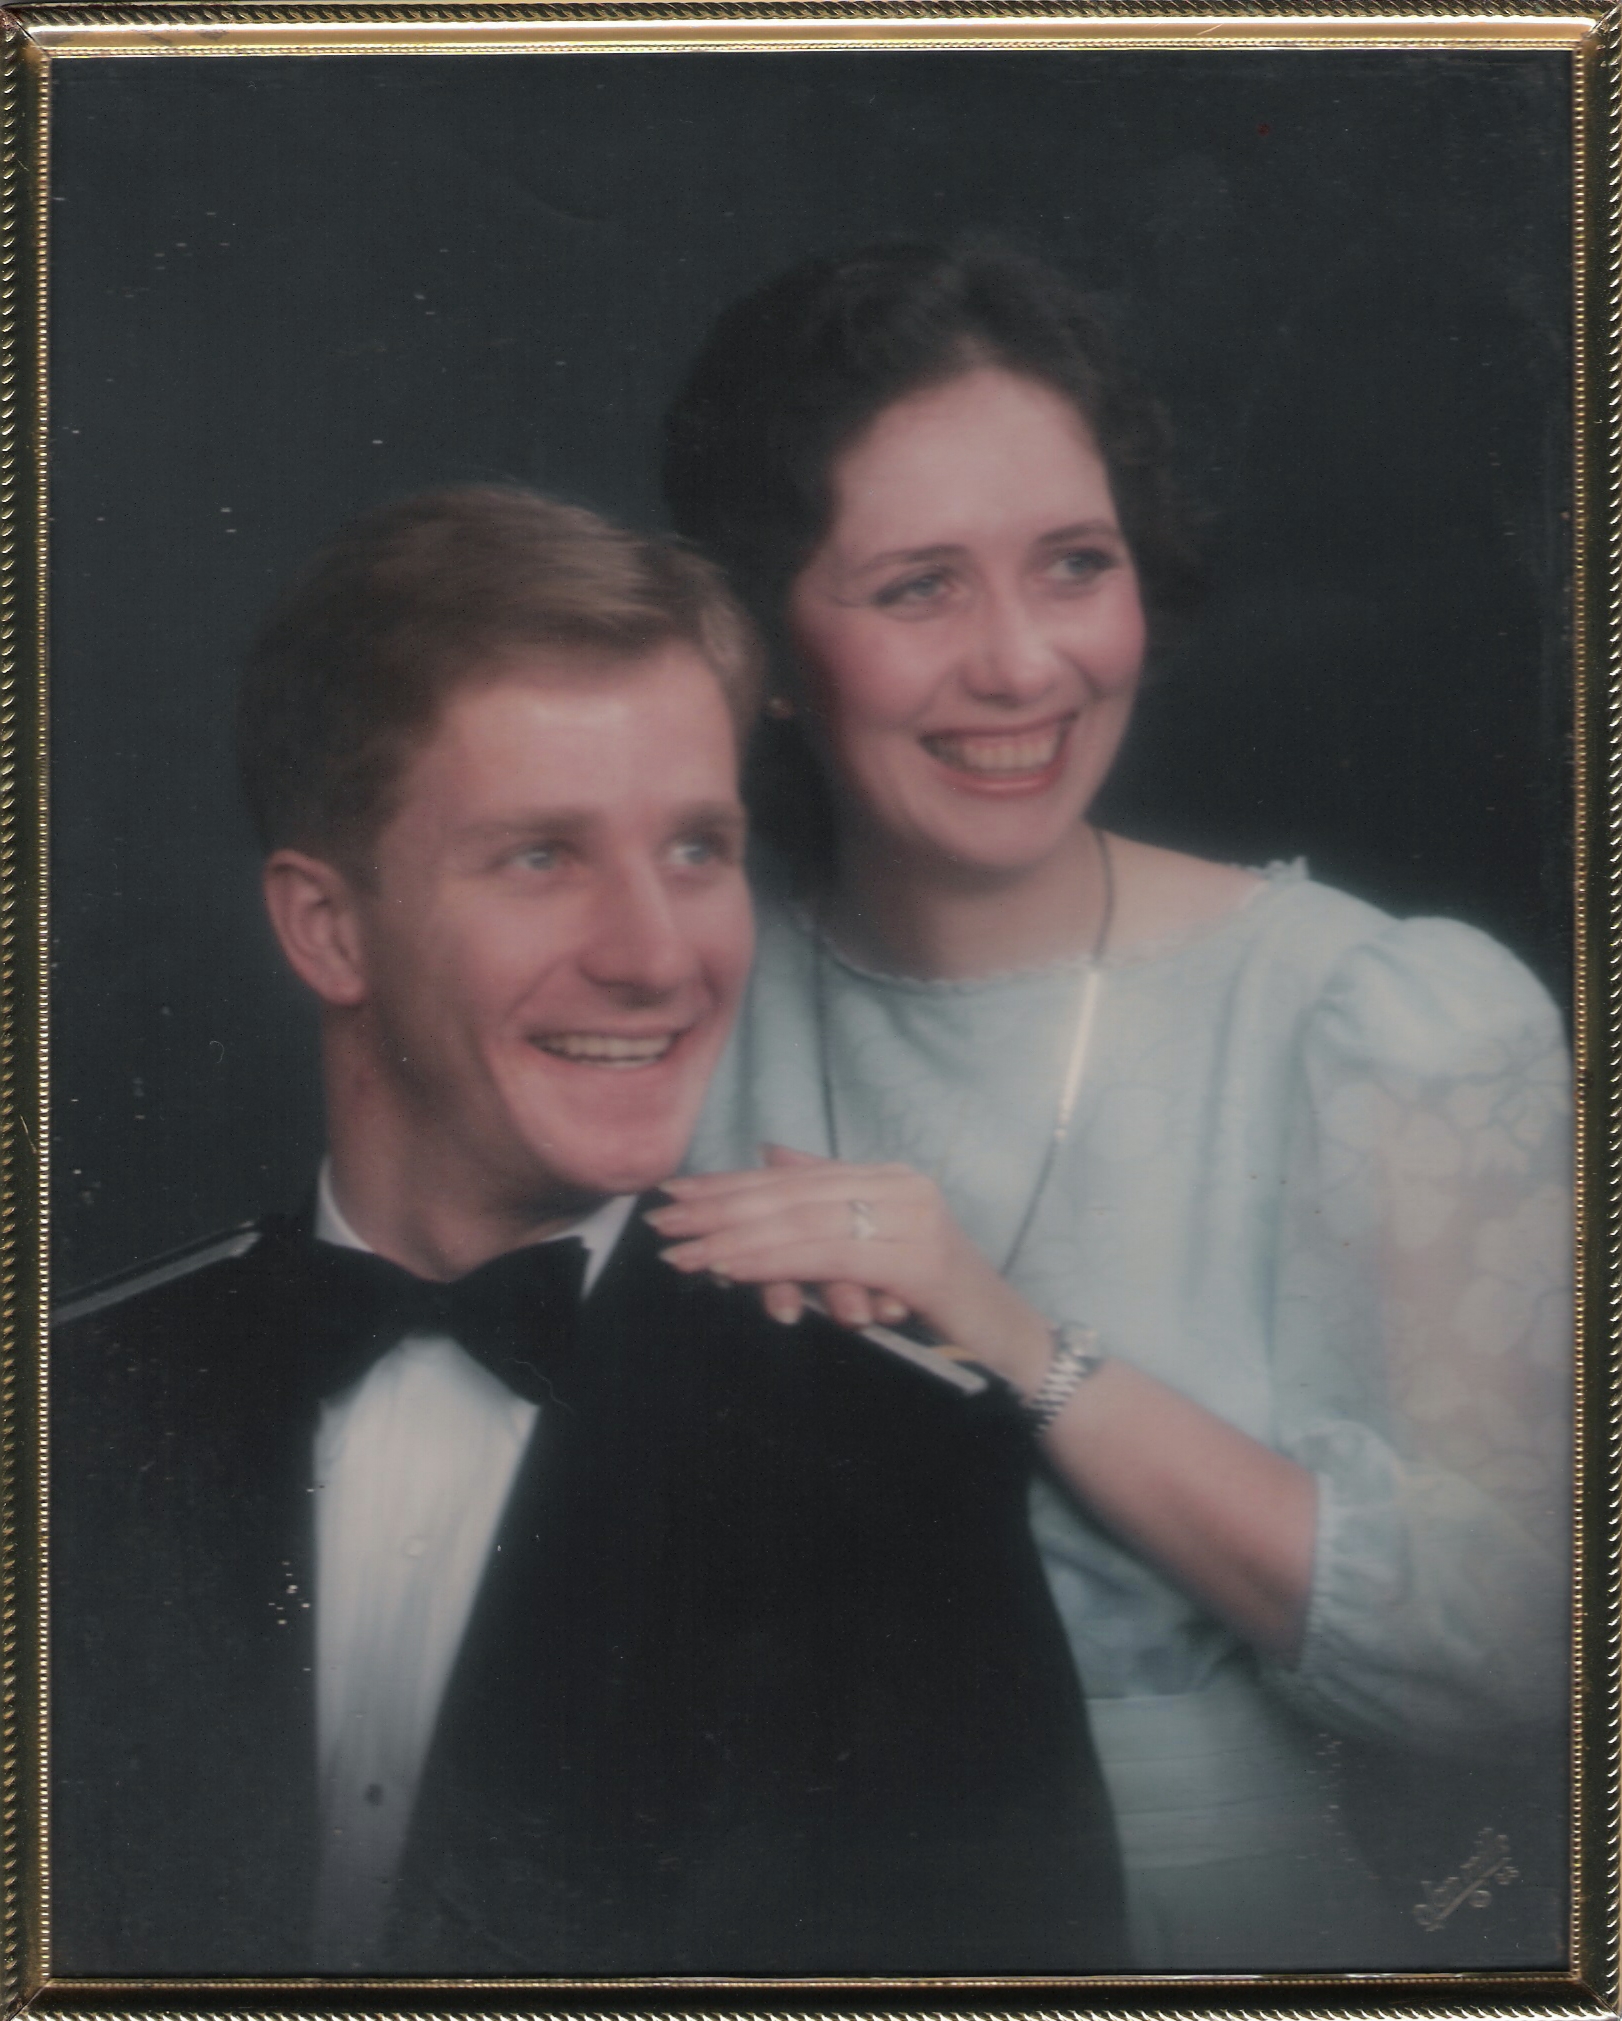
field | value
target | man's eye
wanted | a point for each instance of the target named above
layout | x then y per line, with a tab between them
695	852
539	856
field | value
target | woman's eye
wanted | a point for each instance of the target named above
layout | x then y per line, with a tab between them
918	591
1082	564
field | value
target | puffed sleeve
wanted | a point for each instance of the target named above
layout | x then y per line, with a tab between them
1422	1340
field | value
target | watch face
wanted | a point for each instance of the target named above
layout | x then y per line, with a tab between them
1079	1343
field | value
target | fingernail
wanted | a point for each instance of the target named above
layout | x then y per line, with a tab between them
680	1259
785	1310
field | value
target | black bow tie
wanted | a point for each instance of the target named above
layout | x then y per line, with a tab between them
515	1314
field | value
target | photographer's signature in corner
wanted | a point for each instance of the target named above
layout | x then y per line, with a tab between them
1489	1861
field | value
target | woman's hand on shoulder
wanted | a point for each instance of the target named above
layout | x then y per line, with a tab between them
878	1241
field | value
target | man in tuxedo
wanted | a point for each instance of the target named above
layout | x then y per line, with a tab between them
441	1582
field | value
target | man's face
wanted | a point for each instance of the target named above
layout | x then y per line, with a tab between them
558	931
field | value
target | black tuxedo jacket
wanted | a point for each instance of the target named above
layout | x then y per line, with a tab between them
762	1676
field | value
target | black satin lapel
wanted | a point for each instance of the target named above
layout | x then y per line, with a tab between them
545	1806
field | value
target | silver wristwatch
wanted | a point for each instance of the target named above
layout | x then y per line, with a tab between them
1076	1355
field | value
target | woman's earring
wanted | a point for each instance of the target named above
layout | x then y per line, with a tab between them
779	708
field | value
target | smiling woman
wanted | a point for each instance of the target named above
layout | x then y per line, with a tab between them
1209	1164
970	632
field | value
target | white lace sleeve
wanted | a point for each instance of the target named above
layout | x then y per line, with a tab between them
1422	1345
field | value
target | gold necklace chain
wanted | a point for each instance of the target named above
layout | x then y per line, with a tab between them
1075	1065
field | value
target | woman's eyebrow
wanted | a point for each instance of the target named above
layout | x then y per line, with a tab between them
1084	529
913	557
909	556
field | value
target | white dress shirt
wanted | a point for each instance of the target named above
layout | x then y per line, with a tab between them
412	1469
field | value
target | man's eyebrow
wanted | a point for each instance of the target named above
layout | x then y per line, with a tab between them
568	822
561	821
711	814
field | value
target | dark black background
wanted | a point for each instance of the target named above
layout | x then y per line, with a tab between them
284	288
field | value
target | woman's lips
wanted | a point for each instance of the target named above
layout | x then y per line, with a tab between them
1024	760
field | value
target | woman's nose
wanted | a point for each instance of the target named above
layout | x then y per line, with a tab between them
1012	658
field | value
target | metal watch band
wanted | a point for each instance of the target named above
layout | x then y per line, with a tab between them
1076	1355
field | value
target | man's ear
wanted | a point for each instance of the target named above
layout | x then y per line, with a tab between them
312	908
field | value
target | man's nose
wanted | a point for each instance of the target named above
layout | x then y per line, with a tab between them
636	943
1011	657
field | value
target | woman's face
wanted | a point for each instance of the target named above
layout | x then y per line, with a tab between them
970	629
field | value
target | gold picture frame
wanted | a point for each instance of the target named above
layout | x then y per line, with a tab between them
47	582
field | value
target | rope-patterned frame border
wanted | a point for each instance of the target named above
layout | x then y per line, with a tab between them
28	15
1595	1986
22	973
1597	613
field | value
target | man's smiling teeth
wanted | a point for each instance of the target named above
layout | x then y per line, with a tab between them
999	751
607	1049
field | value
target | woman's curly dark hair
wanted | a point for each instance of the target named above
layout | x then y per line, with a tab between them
792	374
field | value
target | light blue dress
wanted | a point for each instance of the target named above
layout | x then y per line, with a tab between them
1317	1180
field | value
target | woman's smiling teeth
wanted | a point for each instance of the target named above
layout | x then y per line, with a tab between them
608	1049
999	753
